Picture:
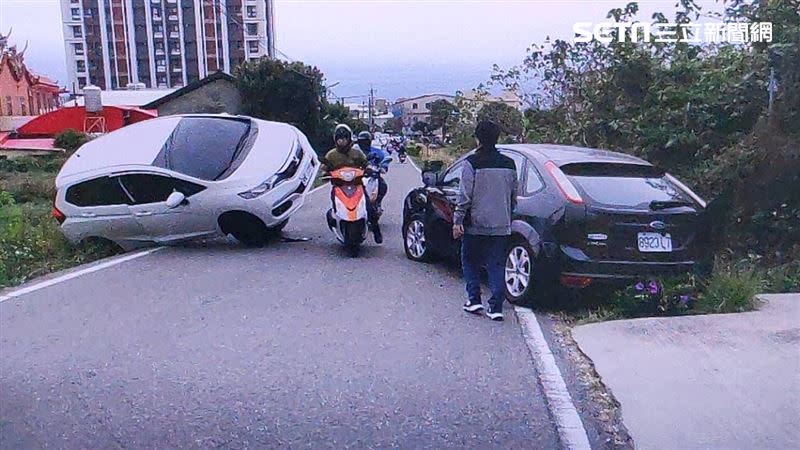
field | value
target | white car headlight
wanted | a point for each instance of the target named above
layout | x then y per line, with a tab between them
261	189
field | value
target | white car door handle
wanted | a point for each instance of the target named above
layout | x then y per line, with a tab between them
88	215
143	213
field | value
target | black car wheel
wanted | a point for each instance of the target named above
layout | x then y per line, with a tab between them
519	272
415	241
245	228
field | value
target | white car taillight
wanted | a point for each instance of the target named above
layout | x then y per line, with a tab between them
566	186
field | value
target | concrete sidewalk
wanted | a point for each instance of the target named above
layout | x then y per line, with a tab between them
729	381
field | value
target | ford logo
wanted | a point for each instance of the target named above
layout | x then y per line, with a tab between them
658	225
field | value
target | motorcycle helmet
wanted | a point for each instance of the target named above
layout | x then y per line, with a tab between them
342	131
365	136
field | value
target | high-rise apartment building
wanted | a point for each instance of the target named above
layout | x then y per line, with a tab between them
115	44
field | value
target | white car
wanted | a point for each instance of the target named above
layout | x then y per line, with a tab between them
183	177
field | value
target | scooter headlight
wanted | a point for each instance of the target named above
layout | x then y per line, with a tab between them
348	175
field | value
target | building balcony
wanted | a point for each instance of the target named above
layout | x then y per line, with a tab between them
158	35
156	17
173	17
160	52
172	1
175	51
175	34
177	69
161	69
155	2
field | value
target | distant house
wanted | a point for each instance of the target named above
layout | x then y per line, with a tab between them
216	93
418	109
23	93
507	96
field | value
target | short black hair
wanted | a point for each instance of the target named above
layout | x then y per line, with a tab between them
487	132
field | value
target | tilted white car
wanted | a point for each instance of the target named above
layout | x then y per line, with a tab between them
183	177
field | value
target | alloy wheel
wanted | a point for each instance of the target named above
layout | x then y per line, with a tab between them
518	270
415	239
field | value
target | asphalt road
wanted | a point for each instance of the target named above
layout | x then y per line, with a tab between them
291	346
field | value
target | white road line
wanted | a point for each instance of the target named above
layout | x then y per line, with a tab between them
568	422
68	276
413	163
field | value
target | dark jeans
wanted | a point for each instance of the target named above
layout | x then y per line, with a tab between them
484	252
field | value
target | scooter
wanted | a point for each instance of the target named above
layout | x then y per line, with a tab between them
401	157
372	177
347	218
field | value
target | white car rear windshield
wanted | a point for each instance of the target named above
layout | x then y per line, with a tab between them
208	148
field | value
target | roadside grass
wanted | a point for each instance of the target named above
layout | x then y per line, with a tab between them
31	244
730	291
730	288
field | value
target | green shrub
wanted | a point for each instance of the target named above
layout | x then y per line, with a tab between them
413	149
70	140
783	278
29	186
729	290
31	243
50	163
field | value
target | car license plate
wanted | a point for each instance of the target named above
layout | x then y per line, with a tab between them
655	242
306	176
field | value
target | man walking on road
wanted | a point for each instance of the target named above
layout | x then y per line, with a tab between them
487	197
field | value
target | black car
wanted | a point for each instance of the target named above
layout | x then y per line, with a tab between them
583	217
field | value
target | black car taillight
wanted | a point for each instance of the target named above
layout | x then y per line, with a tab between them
563	183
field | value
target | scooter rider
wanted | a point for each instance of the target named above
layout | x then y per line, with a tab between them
377	158
346	155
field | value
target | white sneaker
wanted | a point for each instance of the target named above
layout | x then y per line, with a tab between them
496	316
474	308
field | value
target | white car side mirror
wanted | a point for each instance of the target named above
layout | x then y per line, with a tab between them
175	199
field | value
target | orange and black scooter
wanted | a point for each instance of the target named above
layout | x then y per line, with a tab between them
347	218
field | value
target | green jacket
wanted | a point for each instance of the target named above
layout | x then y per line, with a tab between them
335	159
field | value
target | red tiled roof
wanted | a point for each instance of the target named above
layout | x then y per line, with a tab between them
28	144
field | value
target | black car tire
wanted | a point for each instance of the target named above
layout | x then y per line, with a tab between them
412	232
245	228
521	258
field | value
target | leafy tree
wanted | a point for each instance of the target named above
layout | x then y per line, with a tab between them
395	124
507	117
421	126
441	112
289	92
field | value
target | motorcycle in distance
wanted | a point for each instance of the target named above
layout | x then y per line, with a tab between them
347	218
401	157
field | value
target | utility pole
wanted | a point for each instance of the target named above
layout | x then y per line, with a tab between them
371	103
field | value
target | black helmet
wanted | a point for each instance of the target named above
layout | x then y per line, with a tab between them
342	131
365	136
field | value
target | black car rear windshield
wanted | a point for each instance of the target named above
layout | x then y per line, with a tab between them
208	148
629	186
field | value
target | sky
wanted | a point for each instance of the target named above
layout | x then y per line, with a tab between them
400	47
